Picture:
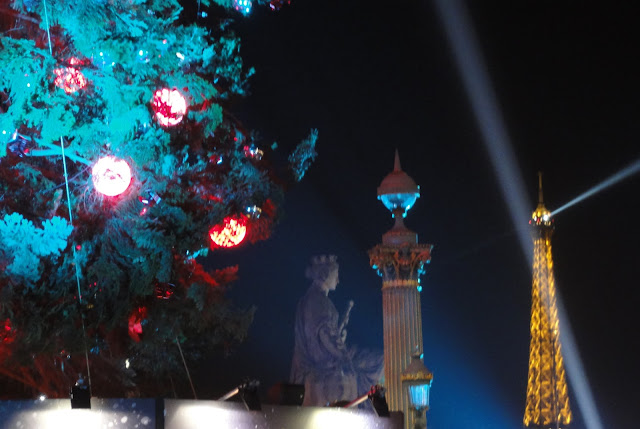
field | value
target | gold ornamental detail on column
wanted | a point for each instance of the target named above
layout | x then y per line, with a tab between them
401	265
398	284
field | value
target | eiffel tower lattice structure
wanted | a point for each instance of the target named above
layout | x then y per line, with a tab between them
547	405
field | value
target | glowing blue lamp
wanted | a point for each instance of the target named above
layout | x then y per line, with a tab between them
398	192
419	395
416	380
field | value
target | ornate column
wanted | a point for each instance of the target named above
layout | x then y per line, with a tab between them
400	261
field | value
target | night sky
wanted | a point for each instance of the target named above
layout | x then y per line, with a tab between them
373	77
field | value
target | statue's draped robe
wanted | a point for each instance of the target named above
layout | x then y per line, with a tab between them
328	369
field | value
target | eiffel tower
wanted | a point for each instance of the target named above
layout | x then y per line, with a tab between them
547	405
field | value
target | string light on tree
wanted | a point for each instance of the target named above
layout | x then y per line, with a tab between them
19	144
216	159
111	176
103	60
143	56
170	106
276	5
252	151
253	212
164	290
151	200
230	233
242	6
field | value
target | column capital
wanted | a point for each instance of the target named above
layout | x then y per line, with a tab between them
400	264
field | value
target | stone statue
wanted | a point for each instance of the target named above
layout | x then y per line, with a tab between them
330	371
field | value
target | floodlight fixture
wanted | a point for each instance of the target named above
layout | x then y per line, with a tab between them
376	396
248	392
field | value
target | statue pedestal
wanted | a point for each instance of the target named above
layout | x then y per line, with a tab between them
318	387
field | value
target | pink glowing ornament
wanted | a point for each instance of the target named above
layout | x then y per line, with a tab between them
230	233
169	106
111	176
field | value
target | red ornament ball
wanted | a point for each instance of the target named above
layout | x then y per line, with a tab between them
230	233
169	106
111	176
6	332
69	79
137	318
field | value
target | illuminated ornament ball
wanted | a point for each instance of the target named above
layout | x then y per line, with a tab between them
230	233
242	6
111	176
169	106
69	79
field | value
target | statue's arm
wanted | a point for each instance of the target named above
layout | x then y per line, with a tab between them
330	341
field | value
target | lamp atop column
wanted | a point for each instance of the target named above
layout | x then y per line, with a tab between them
398	192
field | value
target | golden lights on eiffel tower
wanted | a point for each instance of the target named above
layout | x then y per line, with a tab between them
547	404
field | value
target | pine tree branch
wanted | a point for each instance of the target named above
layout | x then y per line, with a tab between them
9	11
17	377
53	383
56	151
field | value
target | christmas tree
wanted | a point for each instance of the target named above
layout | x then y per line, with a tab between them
121	163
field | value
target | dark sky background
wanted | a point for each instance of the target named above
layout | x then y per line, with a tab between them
376	76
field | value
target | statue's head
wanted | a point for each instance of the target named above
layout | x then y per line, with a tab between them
323	271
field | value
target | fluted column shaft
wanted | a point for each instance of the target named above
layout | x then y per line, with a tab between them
402	337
